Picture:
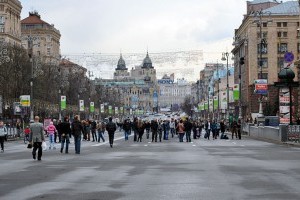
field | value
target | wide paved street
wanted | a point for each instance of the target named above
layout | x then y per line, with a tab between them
212	170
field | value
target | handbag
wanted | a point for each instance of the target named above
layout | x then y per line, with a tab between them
29	146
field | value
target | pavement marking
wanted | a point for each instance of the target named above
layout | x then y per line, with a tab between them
194	145
145	145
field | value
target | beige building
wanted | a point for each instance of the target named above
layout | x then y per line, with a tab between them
267	32
173	93
41	37
10	25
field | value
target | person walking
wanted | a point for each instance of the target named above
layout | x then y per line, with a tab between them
65	129
126	128
50	132
207	128
134	128
166	127
147	127
100	129
154	127
111	128
37	137
93	128
77	130
222	129
160	129
180	130
188	126
3	135
140	129
172	127
234	131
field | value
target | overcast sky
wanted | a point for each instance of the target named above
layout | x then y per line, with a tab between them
108	26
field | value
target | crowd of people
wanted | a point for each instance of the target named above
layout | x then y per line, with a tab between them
156	130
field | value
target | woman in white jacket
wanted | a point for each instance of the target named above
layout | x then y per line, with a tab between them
3	135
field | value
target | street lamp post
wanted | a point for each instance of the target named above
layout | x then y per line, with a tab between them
218	112
259	21
30	39
225	57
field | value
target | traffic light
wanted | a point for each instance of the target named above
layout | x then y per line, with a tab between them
242	60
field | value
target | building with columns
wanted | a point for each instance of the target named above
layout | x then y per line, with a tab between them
10	21
268	31
41	38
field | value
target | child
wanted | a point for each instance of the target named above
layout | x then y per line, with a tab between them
27	132
50	131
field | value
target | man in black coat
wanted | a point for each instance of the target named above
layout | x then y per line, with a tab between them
111	128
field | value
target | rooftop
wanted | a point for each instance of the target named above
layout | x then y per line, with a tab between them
33	18
287	8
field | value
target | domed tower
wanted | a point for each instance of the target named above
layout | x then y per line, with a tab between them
121	64
147	63
121	70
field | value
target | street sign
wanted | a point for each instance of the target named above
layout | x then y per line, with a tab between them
288	57
261	87
261	81
263	92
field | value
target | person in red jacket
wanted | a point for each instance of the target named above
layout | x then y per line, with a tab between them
26	132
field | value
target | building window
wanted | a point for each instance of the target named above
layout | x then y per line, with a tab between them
1	7
262	75
282	34
280	62
284	24
298	47
265	24
263	62
282	48
263	50
278	24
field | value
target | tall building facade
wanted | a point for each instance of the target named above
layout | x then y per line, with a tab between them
269	30
10	21
42	38
173	93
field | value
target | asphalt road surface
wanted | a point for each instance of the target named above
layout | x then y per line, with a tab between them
212	170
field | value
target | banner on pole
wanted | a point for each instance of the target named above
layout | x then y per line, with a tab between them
102	108
81	105
92	107
63	102
236	92
110	110
116	110
121	110
216	102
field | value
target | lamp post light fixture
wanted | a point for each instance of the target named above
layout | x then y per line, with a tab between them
259	21
225	56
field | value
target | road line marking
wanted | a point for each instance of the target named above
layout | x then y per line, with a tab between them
103	143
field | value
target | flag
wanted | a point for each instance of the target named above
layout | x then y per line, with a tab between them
236	92
110	110
92	107
216	102
63	102
81	105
